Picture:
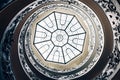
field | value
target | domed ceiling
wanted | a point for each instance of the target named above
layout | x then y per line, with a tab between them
62	40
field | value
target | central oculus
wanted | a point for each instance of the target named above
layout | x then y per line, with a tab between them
59	37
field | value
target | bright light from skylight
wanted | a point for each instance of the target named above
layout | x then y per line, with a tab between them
59	37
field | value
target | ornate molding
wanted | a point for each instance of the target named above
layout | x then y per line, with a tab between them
114	58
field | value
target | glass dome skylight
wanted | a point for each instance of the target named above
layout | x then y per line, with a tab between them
59	37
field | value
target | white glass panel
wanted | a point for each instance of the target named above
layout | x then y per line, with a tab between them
63	20
44	48
42	34
49	23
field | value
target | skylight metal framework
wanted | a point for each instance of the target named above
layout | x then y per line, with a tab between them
59	37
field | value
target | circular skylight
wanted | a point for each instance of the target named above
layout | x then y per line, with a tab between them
59	37
63	39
